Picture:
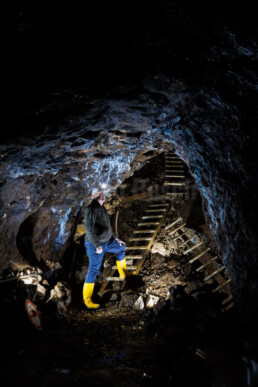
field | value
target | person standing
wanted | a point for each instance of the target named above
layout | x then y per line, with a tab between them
100	239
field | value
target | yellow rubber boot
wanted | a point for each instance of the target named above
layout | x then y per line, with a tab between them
87	294
122	269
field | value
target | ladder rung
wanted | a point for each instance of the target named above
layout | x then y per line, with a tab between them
222	286
214	273
168	171
229	298
148	224
156	210
175	193
127	268
152	216
207	264
178	228
188	240
158	205
174	162
172	224
199	255
178	177
173	170
136	247
228	307
174	166
184	233
114	279
177	184
143	231
133	257
193	247
139	239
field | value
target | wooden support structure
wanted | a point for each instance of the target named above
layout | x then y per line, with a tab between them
132	198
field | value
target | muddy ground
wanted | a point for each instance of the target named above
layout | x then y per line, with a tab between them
161	327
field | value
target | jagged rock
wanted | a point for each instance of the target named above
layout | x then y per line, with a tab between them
114	297
139	303
60	294
151	301
31	279
127	300
159	248
41	291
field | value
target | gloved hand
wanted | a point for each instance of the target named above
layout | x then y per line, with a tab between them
120	242
99	250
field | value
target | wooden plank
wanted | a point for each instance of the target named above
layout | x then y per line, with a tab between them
229	298
175	176
205	264
151	216
183	243
146	252
199	255
193	247
148	224
172	224
158	205
139	239
214	273
114	279
178	228
228	307
133	256
127	199
172	183
128	267
156	210
180	236
143	231
175	193
221	286
135	247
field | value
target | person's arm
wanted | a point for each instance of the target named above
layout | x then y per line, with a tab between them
89	223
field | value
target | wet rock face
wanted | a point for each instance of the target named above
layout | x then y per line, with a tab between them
203	112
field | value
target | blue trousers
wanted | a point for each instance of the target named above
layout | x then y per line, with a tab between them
95	260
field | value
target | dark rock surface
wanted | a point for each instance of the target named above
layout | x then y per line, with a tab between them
190	84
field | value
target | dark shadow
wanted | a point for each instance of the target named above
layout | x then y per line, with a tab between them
24	239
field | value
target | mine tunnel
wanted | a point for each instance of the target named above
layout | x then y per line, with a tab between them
128	184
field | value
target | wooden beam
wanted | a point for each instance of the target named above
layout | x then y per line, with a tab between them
127	199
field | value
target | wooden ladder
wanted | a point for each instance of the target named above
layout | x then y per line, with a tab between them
199	250
174	174
139	245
